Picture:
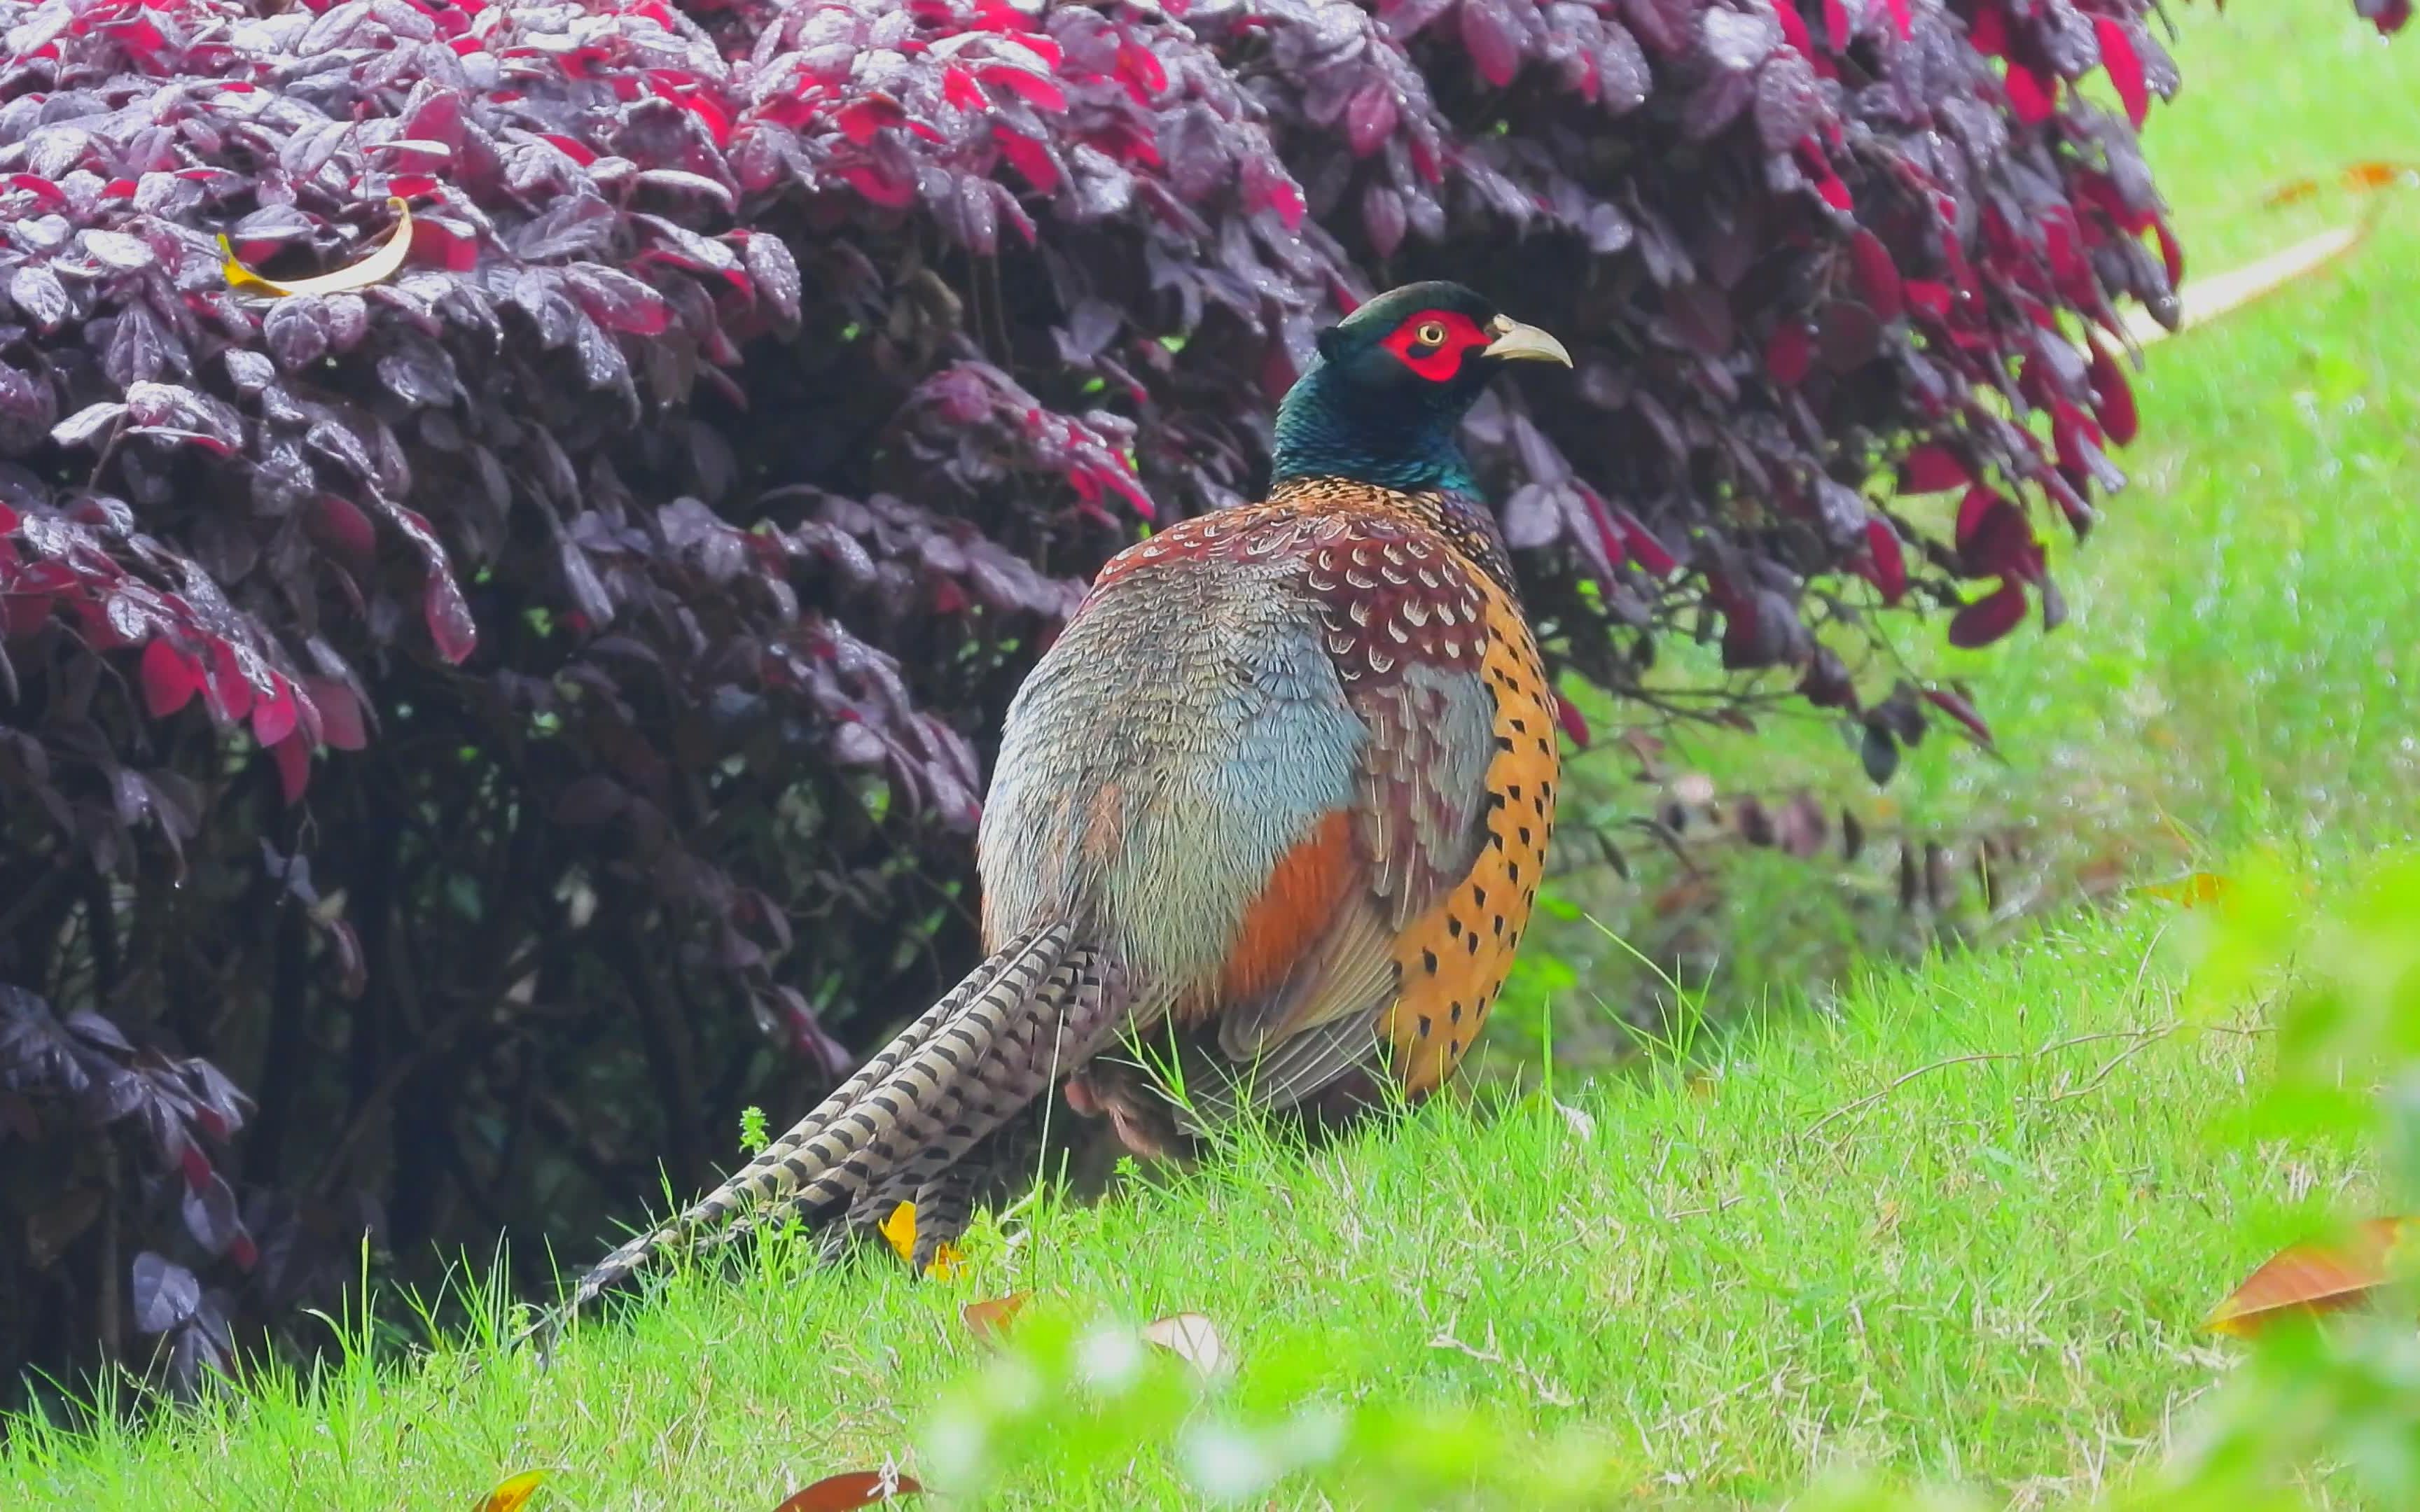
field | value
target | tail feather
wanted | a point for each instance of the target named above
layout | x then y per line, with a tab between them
972	1060
937	1096
1077	1003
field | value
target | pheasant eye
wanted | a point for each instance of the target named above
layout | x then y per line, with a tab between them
1431	334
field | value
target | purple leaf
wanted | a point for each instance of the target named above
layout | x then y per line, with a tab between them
1493	40
618	301
1533	516
89	426
1370	118
1787	100
1989	618
1738	40
295	336
98	1032
117	251
165	1293
674	180
774	272
420	374
210	1214
37	292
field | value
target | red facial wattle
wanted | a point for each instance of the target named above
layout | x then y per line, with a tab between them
1434	342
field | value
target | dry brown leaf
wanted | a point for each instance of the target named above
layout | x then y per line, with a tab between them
377	268
513	1494
989	1320
2369	175
2205	300
1690	895
2189	891
2303	1279
1193	1339
1887	1213
2360	178
850	1490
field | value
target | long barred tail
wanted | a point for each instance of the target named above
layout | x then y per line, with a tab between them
896	1128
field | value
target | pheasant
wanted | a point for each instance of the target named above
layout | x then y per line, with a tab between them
1277	795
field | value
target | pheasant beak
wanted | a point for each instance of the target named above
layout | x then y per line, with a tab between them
1515	342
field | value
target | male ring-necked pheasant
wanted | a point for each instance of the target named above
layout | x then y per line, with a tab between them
1277	799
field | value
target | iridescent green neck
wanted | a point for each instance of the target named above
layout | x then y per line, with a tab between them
1323	432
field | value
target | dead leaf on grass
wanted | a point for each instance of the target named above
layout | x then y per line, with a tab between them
2189	891
2205	300
2361	178
1581	1123
2305	1279
852	1488
989	1320
900	1229
513	1494
1193	1339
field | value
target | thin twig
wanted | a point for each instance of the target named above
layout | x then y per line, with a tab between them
2151	1037
2133	991
1872	1098
2143	1038
2146	1038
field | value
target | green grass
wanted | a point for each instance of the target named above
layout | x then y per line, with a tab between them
1923	1222
1841	1243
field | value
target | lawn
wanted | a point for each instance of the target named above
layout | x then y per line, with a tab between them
1957	1220
1731	1280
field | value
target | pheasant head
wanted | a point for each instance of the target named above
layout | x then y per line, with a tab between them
1393	384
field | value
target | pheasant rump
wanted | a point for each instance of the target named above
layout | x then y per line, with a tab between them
1268	817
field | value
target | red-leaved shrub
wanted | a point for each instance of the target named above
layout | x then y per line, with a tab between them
506	715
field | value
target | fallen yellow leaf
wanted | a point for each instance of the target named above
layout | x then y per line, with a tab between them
513	1494
2189	891
900	1230
374	268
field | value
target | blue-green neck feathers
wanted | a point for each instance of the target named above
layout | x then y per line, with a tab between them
1324	431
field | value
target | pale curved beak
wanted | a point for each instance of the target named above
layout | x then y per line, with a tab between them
1515	342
